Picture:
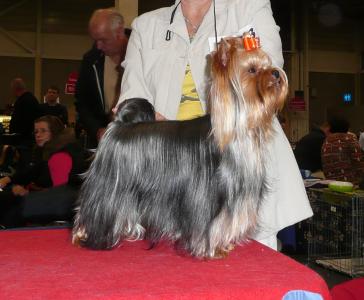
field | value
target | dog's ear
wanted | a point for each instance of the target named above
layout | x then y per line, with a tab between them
224	52
221	57
221	98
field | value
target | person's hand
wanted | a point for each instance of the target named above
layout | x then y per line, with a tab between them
100	133
18	190
4	182
159	117
115	110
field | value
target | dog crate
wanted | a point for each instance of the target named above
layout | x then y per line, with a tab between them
335	235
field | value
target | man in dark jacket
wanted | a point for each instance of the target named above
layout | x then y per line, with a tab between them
98	85
51	105
26	110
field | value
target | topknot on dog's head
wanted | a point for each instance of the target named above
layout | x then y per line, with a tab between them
236	51
135	110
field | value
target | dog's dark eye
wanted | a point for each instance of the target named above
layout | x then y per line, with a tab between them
252	70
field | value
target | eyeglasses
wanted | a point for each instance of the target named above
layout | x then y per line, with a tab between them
41	130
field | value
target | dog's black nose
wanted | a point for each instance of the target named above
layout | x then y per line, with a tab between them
275	73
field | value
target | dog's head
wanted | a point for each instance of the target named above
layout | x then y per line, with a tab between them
135	110
246	92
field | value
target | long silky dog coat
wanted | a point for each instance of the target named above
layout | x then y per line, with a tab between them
198	183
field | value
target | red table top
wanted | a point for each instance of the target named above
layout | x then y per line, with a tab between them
43	264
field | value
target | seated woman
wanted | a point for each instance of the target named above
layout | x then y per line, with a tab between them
342	158
44	190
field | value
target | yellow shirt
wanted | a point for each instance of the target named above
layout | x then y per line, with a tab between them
190	105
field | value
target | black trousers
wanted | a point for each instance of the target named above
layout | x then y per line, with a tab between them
11	210
53	204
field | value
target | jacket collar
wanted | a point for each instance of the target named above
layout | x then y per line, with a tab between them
178	25
220	4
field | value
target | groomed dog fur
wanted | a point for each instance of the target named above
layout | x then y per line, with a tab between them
198	183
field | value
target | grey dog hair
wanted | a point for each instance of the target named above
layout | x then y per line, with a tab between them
198	183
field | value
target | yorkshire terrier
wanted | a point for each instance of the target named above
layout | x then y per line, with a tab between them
197	183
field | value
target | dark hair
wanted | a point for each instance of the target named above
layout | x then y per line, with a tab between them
55	124
53	87
135	110
339	124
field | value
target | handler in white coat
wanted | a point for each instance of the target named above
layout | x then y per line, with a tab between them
166	42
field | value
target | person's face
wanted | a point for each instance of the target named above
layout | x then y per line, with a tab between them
109	42
51	96
42	133
16	91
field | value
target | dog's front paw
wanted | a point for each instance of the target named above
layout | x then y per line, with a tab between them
223	252
79	237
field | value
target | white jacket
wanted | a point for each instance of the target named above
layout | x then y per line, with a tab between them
155	68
